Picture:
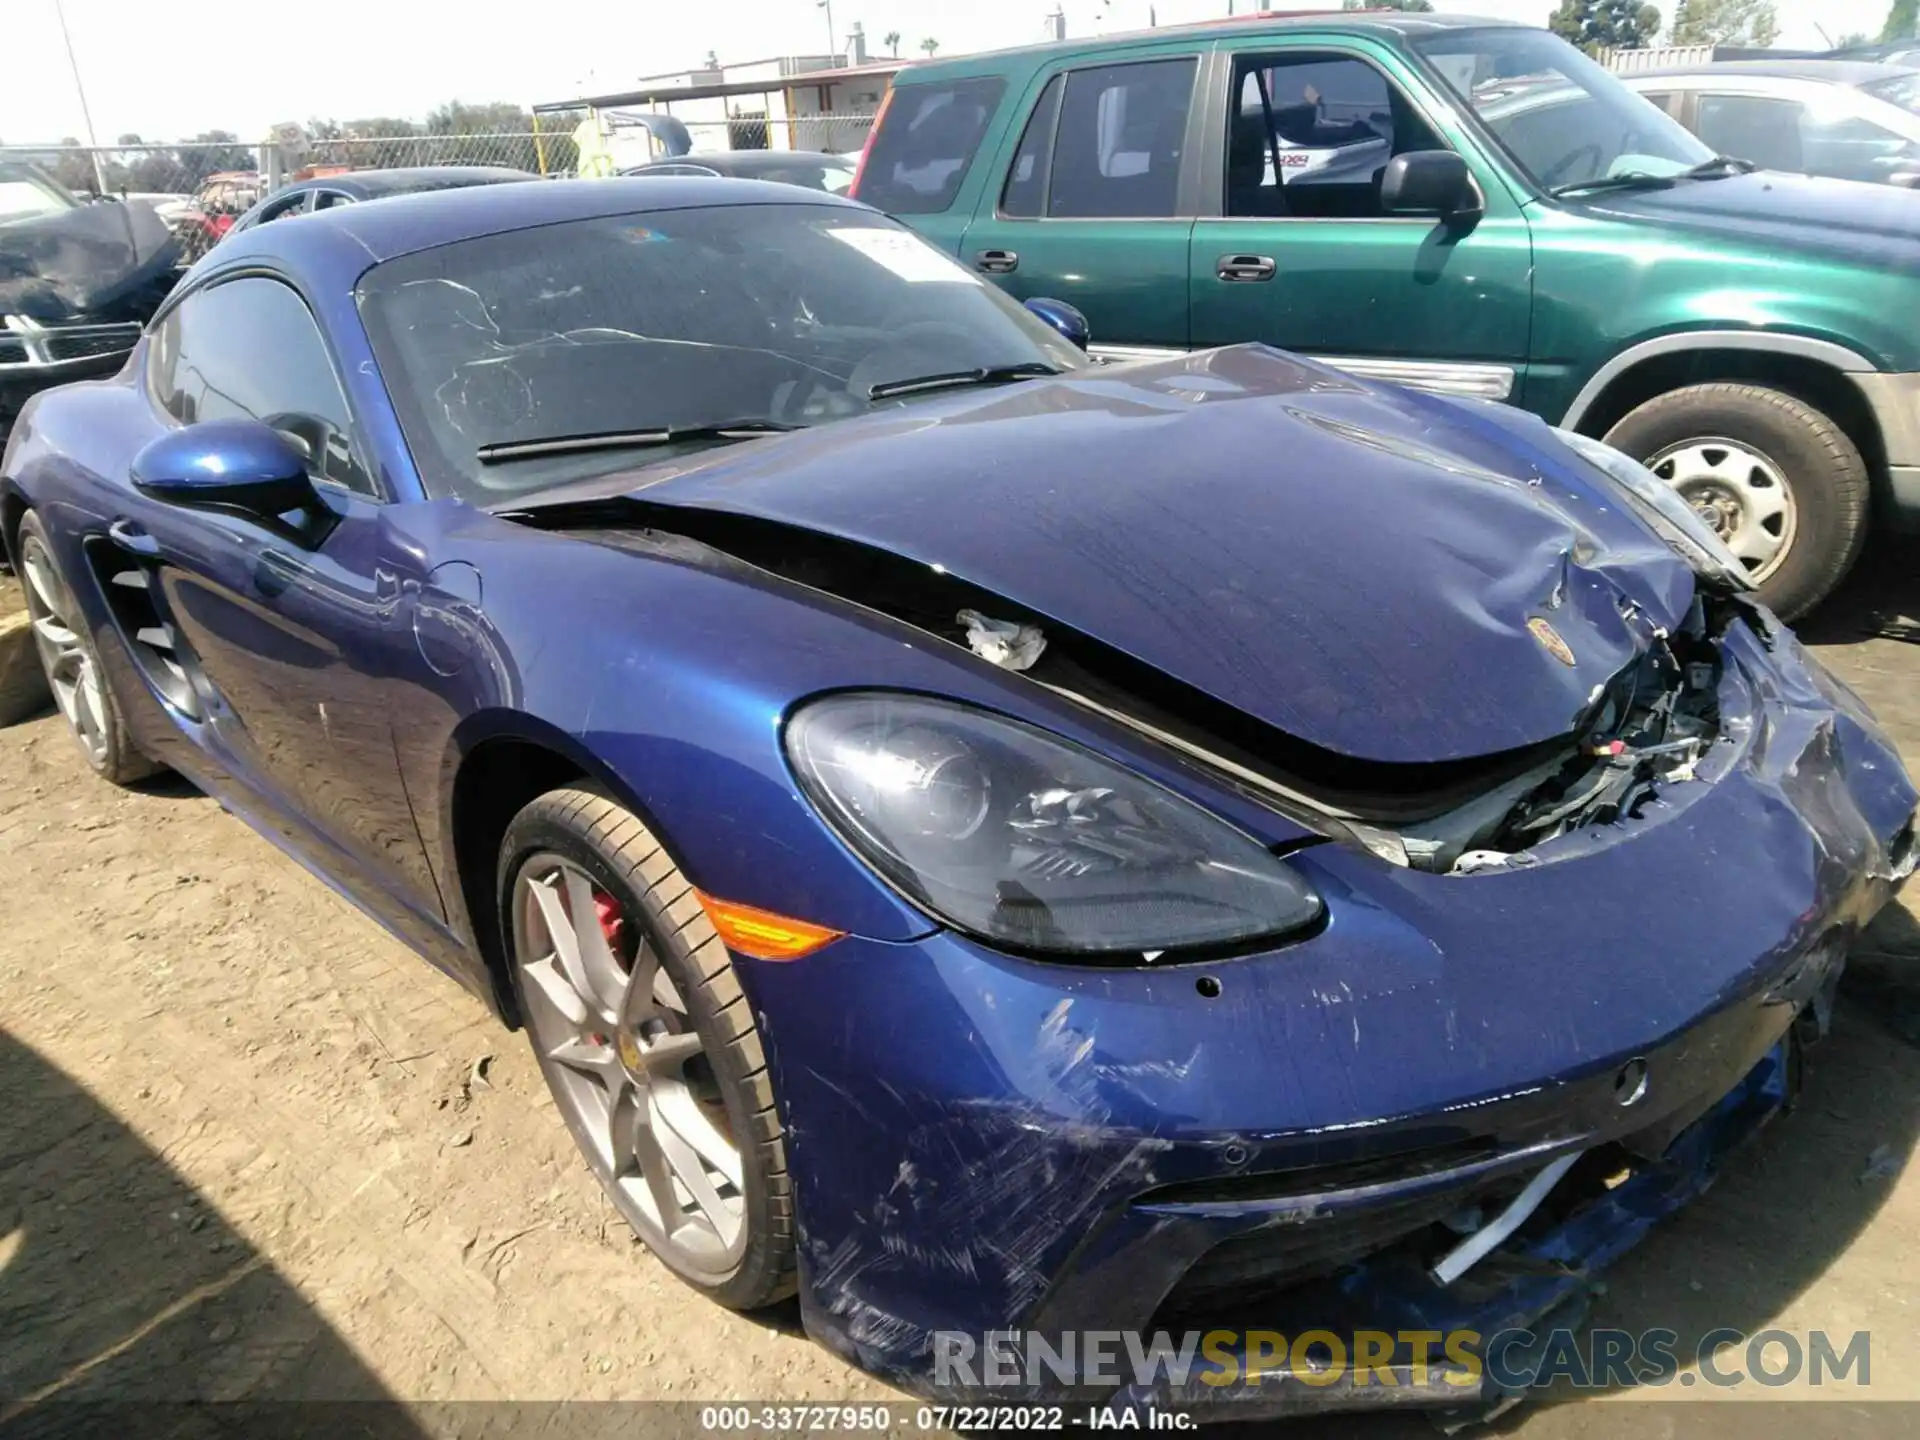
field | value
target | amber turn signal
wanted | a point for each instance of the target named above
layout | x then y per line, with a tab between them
763	934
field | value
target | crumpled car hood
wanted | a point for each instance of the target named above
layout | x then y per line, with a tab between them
1387	575
82	262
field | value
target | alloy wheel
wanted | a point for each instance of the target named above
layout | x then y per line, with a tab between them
627	1066
1738	491
64	655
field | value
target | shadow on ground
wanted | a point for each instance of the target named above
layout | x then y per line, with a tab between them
128	1307
1880	599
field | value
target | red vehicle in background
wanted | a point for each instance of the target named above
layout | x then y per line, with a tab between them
222	198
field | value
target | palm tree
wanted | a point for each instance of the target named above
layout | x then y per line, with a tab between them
892	41
929	45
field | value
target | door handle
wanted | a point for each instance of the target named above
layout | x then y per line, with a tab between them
996	262
132	539
1244	267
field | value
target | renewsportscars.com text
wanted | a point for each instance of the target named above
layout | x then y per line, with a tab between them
1516	1359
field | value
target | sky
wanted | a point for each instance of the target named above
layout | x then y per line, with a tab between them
243	66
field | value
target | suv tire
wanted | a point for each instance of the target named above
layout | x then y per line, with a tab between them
1744	451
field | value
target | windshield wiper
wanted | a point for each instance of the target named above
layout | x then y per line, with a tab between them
1718	168
948	379
503	450
1630	180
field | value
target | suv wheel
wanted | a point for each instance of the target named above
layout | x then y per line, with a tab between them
1776	479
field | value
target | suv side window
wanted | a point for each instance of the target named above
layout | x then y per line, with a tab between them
925	143
249	350
1122	129
1311	134
1025	193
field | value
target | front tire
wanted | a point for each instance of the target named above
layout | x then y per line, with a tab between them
72	666
23	684
1777	479
638	1022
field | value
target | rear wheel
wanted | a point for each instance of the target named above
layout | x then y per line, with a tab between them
1777	480
71	666
638	1023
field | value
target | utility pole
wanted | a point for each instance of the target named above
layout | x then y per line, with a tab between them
832	34
86	115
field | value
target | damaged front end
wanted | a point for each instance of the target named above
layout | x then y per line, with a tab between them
1647	730
78	283
1586	835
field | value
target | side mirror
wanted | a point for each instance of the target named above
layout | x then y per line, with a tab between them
239	466
1063	317
1429	182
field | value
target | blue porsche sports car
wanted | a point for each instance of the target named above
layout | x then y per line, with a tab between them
979	838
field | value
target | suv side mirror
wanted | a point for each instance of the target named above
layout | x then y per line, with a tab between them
239	466
1429	182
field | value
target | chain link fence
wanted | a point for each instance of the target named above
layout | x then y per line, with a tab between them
197	186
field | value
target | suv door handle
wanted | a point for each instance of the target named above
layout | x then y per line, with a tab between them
132	539
1244	267
997	262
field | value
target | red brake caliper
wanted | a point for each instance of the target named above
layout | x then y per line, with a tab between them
606	910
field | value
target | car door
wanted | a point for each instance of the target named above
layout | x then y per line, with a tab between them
1293	248
281	649
1093	203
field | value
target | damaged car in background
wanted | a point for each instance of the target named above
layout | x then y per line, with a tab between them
77	281
979	839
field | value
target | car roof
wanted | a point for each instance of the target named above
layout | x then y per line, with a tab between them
372	183
351	237
747	161
1835	72
1344	22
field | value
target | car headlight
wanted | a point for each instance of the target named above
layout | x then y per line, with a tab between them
1029	841
1660	506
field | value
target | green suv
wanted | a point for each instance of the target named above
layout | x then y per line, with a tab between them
1458	205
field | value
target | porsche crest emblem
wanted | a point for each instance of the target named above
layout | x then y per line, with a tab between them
1550	640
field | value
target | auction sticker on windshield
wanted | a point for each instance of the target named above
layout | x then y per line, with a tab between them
905	254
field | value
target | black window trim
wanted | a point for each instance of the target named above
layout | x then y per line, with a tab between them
1185	183
1338	45
380	494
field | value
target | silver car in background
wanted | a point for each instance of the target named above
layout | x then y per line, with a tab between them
1846	119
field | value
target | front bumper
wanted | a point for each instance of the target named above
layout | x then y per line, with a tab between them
36	357
981	1143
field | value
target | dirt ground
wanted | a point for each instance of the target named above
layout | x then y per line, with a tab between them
250	1147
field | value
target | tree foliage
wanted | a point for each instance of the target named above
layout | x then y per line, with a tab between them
1903	20
1596	25
1725	22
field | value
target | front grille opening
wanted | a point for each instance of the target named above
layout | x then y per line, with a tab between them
1290	1273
